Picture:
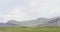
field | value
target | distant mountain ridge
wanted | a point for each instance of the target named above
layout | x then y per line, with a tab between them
40	22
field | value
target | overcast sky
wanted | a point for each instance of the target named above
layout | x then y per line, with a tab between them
28	9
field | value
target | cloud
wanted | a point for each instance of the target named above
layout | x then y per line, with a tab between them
5	1
41	8
30	9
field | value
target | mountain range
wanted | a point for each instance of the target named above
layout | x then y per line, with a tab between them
39	22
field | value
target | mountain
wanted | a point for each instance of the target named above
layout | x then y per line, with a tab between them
54	22
3	24
6	25
28	23
39	22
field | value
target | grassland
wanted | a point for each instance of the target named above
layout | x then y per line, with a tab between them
17	29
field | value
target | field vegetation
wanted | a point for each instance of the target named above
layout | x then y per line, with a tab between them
25	29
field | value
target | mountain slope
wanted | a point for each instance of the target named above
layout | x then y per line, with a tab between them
40	22
29	23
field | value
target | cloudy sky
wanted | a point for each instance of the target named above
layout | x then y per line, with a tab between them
28	9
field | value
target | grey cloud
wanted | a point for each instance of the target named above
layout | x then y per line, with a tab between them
31	9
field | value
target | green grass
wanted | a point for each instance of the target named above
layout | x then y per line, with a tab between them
17	29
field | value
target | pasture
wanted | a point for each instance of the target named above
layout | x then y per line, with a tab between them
18	29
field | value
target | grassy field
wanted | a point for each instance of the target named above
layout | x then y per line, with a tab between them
11	29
